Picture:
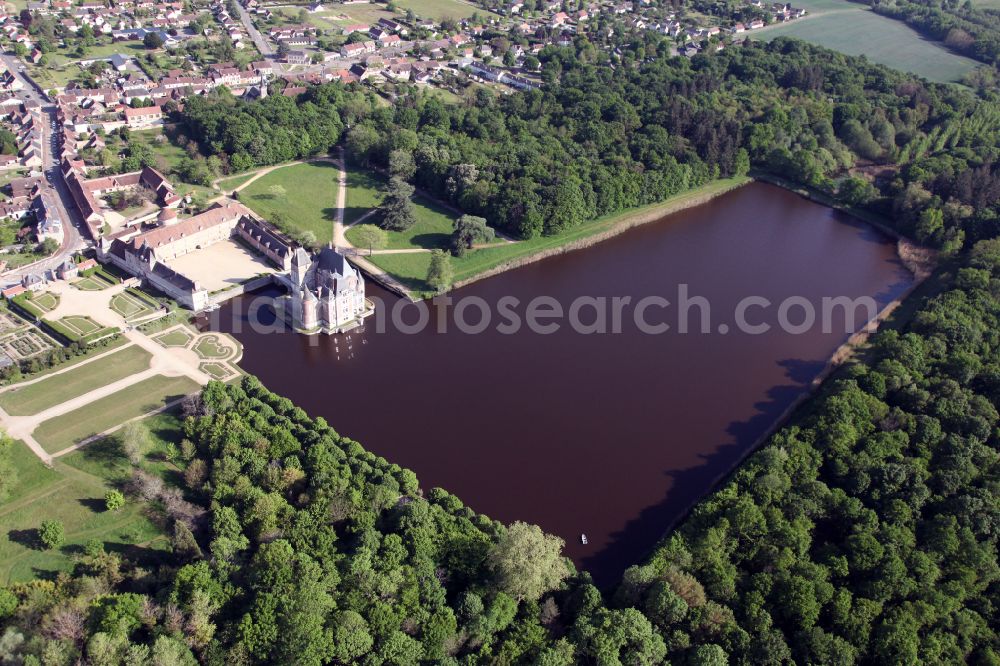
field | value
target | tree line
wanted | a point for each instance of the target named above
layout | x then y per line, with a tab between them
601	139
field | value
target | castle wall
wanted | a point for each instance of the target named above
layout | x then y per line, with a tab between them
195	241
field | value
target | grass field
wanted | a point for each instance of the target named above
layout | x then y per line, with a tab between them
73	492
856	30
44	301
91	351
63	64
364	192
54	390
308	204
176	338
441	9
348	14
157	141
231	183
80	324
209	348
95	282
168	155
63	431
431	230
411	269
215	370
132	305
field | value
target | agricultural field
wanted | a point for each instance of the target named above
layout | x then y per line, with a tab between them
300	197
856	30
73	493
53	390
64	431
348	14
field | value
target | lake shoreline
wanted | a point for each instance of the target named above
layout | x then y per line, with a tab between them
593	392
623	223
618	225
920	262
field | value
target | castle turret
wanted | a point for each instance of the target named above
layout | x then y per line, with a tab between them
310	317
300	266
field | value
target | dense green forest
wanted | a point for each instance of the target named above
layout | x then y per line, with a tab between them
600	140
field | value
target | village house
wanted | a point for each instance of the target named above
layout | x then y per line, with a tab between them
144	117
297	57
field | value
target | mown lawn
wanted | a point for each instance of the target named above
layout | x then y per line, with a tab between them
431	230
364	192
229	184
856	30
411	268
61	432
56	389
367	13
105	346
178	338
73	493
308	201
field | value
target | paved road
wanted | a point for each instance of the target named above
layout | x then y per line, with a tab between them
59	194
259	40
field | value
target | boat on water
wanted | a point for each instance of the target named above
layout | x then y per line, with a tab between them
583	539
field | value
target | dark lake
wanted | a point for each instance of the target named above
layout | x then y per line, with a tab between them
612	435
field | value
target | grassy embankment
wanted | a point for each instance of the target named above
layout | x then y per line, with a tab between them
411	269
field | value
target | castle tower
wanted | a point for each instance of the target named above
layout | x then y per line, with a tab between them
300	266
309	319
